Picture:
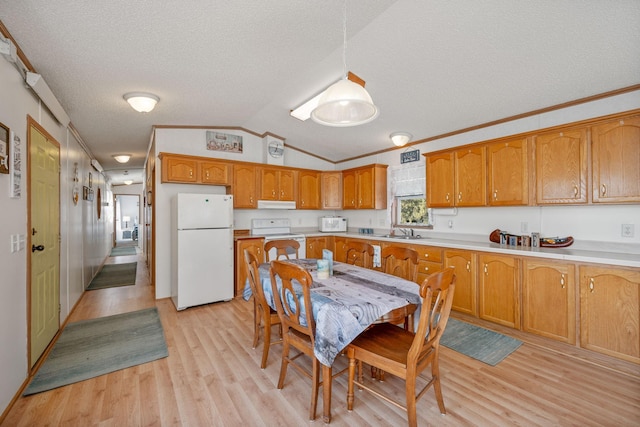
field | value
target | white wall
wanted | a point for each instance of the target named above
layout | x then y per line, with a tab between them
85	241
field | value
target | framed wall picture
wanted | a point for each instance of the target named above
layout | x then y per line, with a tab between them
90	180
85	192
4	149
15	174
219	141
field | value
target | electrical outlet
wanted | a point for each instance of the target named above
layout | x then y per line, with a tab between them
524	227
628	230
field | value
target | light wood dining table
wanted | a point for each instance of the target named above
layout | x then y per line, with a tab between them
344	305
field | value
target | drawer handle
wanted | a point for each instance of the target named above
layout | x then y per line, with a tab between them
460	196
447	197
468	265
562	281
575	191
486	269
495	194
591	284
604	189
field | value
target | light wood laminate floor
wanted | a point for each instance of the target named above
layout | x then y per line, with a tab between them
212	378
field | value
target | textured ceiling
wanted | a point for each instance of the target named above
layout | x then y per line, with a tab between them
432	67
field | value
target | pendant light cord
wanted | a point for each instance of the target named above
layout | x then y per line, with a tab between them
344	35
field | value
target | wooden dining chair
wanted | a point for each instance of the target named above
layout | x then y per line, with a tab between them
264	317
293	304
284	248
403	353
359	253
400	262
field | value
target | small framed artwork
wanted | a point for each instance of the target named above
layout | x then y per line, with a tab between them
410	156
219	141
4	149
85	192
15	175
90	180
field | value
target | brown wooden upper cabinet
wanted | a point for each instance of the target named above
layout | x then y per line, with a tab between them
244	186
365	187
331	190
192	170
457	178
308	189
276	184
561	167
615	159
508	172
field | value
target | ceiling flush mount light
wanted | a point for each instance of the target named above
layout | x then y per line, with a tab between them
122	158
141	101
344	103
128	182
400	138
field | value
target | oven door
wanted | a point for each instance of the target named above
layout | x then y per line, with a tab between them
302	252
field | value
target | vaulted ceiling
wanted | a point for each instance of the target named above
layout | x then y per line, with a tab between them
432	67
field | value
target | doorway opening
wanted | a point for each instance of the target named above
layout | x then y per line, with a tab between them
127	220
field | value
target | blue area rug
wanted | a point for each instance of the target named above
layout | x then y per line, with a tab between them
95	347
479	343
114	275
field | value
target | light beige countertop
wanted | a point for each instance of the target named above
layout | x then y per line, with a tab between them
592	252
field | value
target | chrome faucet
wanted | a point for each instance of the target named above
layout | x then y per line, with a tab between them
407	231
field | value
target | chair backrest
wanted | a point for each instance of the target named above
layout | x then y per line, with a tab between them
253	274
293	297
284	248
437	296
359	253
401	262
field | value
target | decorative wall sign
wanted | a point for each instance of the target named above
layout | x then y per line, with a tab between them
85	192
410	156
15	175
218	141
4	149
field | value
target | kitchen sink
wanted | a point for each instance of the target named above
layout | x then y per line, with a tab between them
402	236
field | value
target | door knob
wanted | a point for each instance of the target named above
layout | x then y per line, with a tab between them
37	248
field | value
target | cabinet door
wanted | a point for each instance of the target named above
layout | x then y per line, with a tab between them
331	190
178	169
339	249
610	311
440	180
365	188
508	173
561	167
548	300
287	185
255	246
268	187
349	190
615	156
464	296
315	245
244	186
308	189
471	177
498	282
216	173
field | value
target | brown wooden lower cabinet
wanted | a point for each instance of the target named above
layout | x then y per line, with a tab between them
499	289
549	299
610	311
255	245
465	293
315	245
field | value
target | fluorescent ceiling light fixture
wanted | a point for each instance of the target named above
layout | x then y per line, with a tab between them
41	89
141	101
122	158
400	138
345	103
128	182
303	112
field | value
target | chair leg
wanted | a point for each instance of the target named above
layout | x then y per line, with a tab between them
266	344
435	373
410	390
315	385
256	323
352	375
284	364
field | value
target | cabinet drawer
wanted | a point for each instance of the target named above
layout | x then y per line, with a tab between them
426	268
427	253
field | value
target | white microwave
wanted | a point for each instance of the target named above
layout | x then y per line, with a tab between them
332	224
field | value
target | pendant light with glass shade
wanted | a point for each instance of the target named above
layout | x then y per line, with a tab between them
344	103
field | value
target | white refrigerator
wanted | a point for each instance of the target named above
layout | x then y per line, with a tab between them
201	249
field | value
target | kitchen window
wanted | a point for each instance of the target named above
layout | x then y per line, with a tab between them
408	195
